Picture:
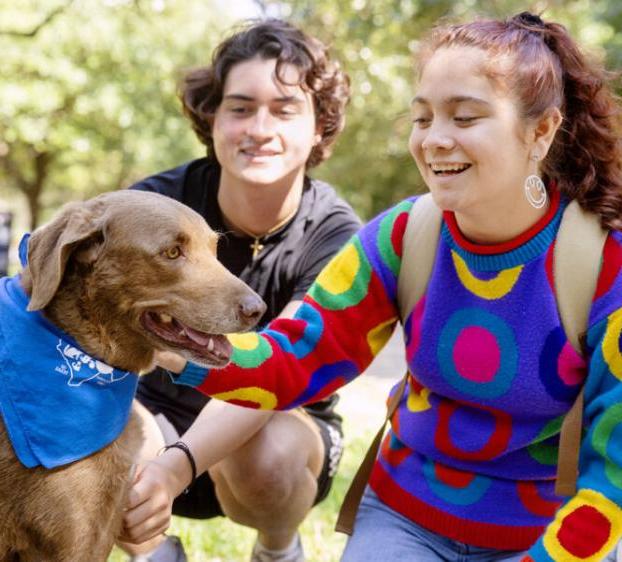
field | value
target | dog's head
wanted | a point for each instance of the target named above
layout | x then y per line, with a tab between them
128	272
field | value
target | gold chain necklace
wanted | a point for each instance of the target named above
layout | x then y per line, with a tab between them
256	244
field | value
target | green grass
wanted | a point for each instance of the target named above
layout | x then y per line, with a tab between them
220	540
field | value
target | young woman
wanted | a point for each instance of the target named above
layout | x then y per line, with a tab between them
510	123
268	108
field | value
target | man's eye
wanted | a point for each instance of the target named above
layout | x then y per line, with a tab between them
465	119
173	252
287	111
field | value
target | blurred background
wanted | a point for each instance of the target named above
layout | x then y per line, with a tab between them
87	87
88	104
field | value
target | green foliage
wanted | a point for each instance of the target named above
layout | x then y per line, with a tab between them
87	103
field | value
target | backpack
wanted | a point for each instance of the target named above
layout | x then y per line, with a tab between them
576	265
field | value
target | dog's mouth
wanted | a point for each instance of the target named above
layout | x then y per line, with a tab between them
210	349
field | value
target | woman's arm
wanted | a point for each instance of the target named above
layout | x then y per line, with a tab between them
345	319
589	524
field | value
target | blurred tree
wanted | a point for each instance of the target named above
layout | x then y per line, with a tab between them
87	92
375	40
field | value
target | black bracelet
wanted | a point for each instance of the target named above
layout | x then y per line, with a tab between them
193	465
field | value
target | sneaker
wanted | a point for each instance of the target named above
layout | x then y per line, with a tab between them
292	553
171	550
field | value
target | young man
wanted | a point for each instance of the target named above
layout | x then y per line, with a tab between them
268	108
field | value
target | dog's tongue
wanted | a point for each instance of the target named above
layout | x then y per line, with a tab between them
215	348
216	344
199	337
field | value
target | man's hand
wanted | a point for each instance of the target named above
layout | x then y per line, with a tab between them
150	503
170	361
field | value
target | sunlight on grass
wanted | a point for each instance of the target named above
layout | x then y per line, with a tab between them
220	540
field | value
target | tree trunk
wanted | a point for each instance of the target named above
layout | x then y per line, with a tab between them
34	189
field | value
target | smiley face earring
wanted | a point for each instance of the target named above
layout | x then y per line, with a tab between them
535	190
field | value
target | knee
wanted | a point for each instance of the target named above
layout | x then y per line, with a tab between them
270	481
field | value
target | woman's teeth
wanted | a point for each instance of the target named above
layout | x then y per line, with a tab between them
449	169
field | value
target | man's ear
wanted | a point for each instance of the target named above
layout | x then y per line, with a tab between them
51	245
544	132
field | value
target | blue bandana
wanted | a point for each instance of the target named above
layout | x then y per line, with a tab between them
59	404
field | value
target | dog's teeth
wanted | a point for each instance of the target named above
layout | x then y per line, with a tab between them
182	333
210	345
166	318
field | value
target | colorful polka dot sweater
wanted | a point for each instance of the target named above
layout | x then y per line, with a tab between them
472	449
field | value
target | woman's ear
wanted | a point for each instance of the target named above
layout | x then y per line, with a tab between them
544	132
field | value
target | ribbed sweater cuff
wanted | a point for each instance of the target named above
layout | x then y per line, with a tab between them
192	375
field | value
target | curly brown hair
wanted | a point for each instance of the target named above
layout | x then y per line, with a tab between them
201	89
547	69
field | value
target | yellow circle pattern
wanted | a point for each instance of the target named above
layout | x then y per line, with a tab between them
265	399
611	344
602	504
489	289
339	275
418	401
378	336
245	342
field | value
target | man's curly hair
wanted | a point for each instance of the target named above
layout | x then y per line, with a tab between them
201	89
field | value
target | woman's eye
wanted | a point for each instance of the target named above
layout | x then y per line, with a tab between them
421	121
173	252
465	119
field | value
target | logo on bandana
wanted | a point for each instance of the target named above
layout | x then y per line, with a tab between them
80	367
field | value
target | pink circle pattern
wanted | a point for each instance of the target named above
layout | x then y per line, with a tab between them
476	354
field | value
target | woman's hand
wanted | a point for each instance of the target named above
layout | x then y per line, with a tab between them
150	502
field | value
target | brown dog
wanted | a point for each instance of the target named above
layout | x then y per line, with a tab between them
123	274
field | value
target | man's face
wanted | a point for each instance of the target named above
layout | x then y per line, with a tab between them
263	130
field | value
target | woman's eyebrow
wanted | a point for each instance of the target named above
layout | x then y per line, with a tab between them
451	100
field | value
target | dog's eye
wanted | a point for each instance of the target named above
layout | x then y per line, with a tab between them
173	252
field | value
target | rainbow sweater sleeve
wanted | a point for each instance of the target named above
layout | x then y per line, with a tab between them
344	320
472	449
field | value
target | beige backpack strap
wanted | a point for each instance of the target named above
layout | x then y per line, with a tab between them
577	259
418	253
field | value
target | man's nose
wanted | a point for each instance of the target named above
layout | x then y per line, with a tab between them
261	125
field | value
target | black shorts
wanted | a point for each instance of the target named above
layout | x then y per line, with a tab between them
200	501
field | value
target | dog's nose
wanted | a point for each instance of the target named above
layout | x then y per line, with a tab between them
251	309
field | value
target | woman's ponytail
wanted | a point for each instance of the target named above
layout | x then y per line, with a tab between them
586	155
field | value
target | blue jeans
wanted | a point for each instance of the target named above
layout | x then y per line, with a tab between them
384	535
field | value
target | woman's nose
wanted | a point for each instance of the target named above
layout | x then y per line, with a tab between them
437	136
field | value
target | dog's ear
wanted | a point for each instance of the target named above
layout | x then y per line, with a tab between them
50	247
